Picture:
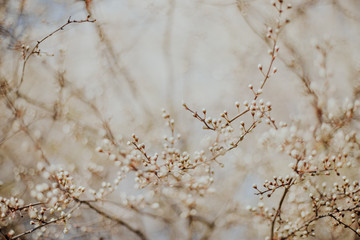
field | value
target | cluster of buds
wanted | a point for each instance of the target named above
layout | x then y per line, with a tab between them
261	211
335	163
170	167
54	197
25	49
272	185
259	110
9	206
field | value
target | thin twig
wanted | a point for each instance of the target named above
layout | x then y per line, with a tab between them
35	49
331	215
45	223
113	218
277	214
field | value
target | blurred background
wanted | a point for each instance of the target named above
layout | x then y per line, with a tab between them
112	77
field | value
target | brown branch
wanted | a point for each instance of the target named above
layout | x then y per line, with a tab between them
26	206
277	214
291	66
238	115
45	224
273	189
35	49
266	75
331	215
113	218
18	114
247	131
36	228
197	116
344	224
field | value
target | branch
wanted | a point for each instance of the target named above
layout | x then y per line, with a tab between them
331	215
277	214
36	228
35	49
45	224
113	218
